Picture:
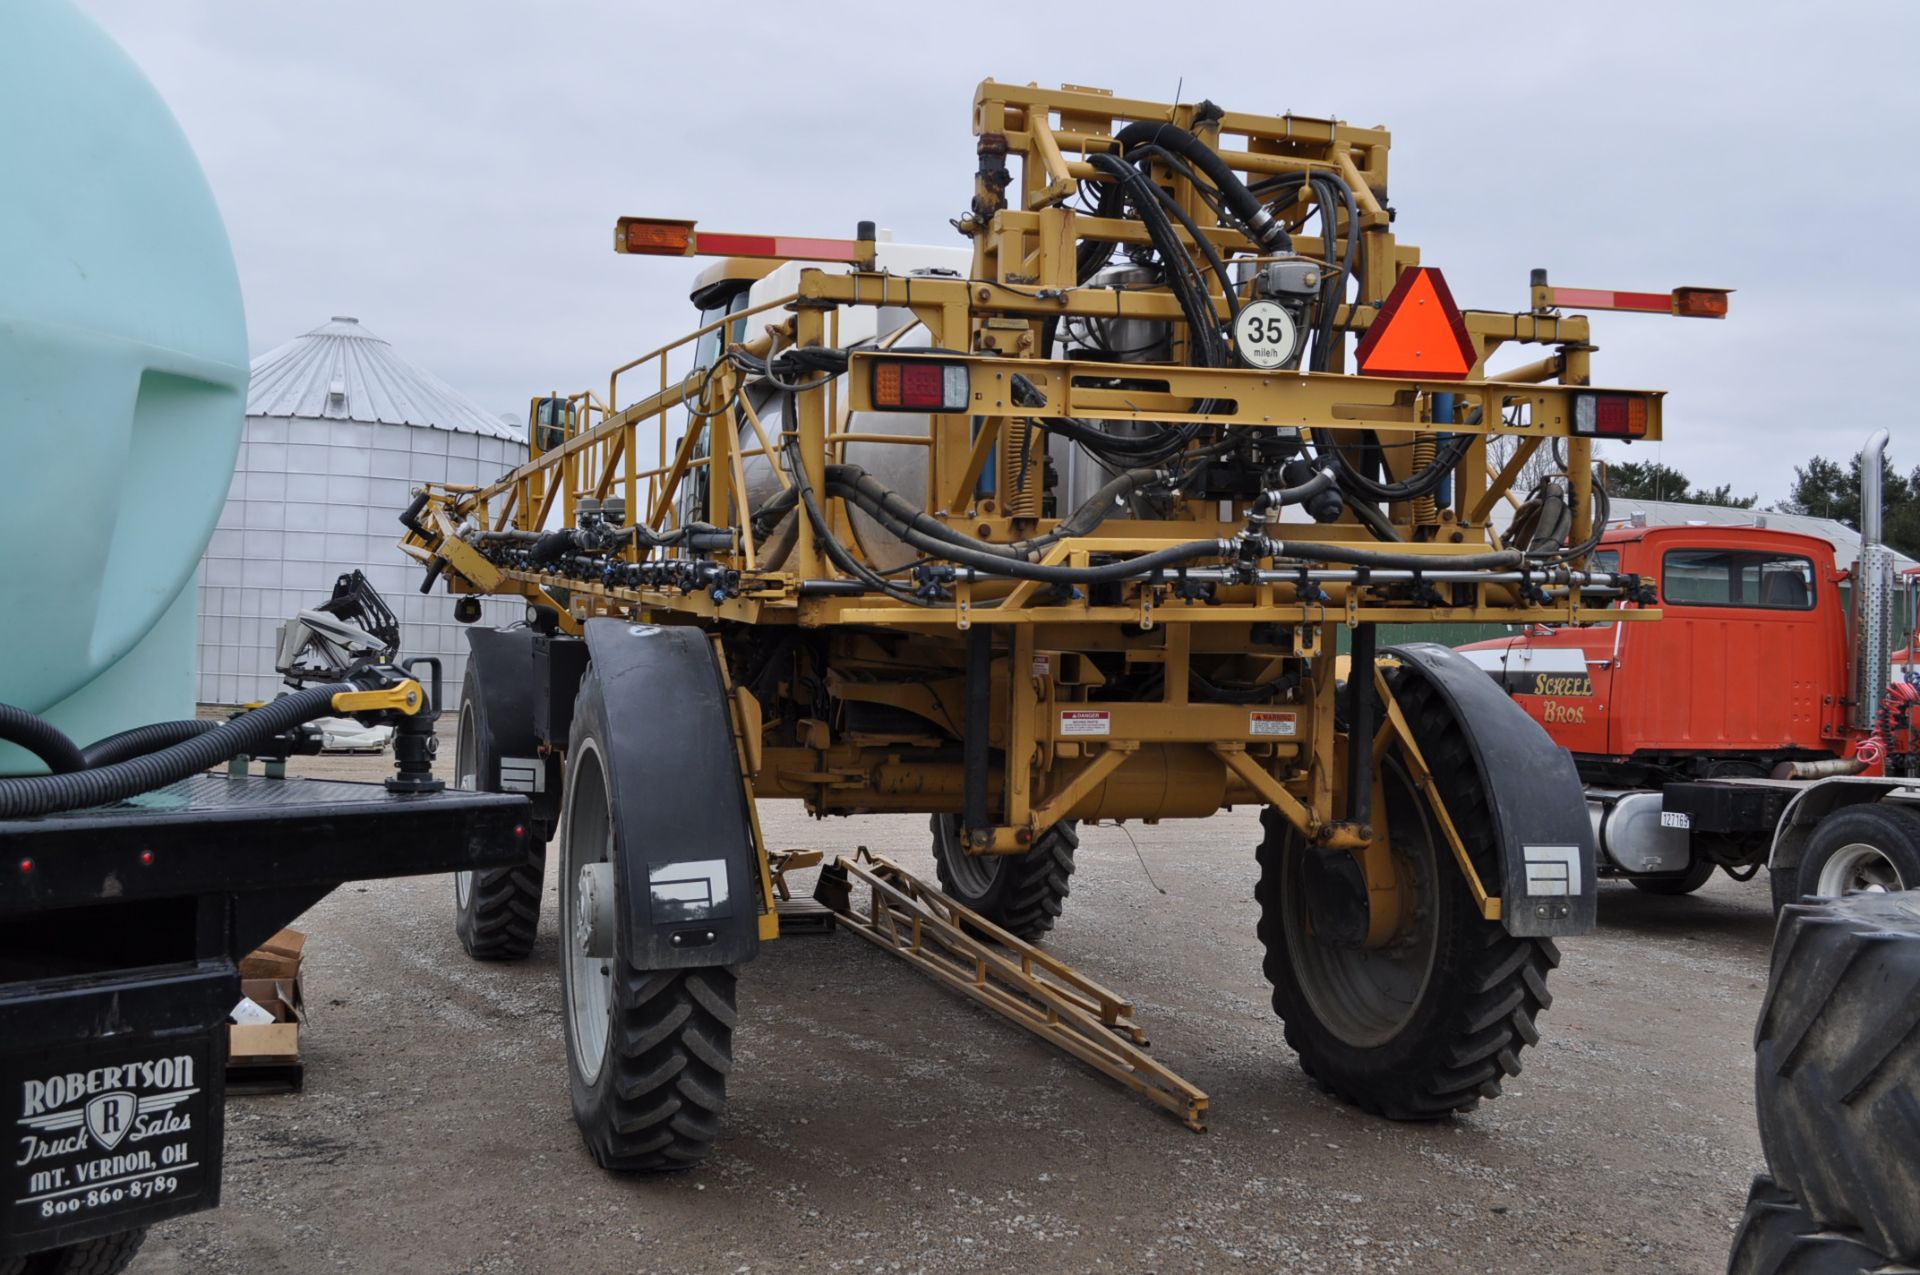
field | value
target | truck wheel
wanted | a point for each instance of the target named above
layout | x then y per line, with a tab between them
497	910
1839	1065
1866	849
108	1255
1021	893
648	1051
1431	1023
1779	1237
1698	873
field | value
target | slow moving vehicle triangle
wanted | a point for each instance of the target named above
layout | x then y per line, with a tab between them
1419	332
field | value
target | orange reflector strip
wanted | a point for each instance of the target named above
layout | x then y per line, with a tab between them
1688	303
1418	333
1700	303
789	247
1608	299
654	237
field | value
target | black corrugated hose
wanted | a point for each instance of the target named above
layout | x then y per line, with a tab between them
142	740
44	794
41	738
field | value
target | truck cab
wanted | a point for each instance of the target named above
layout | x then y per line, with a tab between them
1688	733
1747	669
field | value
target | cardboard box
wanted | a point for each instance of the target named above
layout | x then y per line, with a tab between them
277	1042
278	957
265	1057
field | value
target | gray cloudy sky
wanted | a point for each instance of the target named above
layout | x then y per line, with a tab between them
450	172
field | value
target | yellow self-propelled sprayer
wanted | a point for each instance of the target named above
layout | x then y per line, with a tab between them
1066	527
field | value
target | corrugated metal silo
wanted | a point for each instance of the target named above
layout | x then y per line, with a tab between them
339	429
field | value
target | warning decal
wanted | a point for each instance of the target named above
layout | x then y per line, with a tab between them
1268	722
1085	721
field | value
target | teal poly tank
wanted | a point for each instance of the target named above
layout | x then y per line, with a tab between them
123	373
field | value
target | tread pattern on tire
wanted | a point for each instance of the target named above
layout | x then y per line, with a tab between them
1779	1237
1034	886
671	1050
1838	1075
502	917
1497	989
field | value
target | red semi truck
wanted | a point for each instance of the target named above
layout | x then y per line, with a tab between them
1763	721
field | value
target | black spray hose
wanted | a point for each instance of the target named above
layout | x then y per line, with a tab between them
1242	202
854	484
43	794
142	740
1279	497
41	738
929	535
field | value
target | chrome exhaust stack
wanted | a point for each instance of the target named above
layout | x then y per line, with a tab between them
1872	592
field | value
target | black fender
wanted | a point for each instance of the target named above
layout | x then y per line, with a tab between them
501	663
682	826
1539	809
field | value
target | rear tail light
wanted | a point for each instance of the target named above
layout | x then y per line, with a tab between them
1610	415
920	385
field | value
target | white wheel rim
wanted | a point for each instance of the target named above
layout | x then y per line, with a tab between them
1858	868
466	777
586	836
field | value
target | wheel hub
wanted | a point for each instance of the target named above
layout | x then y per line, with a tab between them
1858	868
593	908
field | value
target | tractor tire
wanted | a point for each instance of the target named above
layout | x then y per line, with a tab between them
1021	893
108	1255
496	910
648	1051
1697	874
1779	1237
1838	1077
1432	1023
1866	849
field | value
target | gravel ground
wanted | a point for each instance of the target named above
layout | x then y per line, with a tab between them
880	1123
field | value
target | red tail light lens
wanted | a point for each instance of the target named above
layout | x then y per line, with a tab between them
920	385
1610	415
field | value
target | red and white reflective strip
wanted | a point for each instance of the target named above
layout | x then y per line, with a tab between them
1607	299
783	247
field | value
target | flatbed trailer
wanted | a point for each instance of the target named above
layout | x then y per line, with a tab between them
121	929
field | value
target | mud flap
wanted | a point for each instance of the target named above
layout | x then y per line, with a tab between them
1539	809
502	665
685	834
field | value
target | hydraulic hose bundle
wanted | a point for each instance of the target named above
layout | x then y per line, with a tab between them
120	766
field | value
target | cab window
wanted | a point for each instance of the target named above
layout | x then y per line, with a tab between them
1737	578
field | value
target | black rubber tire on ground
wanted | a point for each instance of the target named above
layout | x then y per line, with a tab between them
1779	1237
1838	1076
1021	893
1464	1029
658	1092
1892	832
108	1255
1697	874
496	910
